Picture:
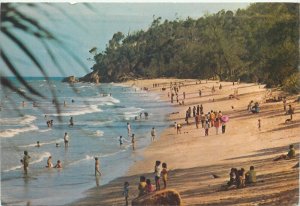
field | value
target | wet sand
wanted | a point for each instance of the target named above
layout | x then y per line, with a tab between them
192	158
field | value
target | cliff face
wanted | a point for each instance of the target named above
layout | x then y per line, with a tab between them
93	77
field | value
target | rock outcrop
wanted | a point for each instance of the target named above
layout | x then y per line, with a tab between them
70	79
162	197
93	77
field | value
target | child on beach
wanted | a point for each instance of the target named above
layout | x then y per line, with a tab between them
223	127
157	172
142	186
58	164
149	186
164	173
126	191
49	162
97	167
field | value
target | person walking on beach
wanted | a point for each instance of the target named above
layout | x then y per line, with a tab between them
200	93
71	122
259	124
133	141
157	172
197	120
66	139
128	128
223	127
206	127
164	174
126	192
153	134
183	95
194	111
187	117
25	162
97	167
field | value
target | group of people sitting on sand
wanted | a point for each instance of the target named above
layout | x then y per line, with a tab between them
253	107
145	186
240	178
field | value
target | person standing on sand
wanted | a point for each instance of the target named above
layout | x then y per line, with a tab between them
194	111
190	112
175	125
187	117
198	109
97	167
25	161
197	120
206	127
179	128
153	134
133	141
157	172
259	124
183	95
284	104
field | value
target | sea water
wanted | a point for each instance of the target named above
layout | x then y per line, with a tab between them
99	120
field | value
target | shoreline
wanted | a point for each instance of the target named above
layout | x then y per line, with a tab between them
192	159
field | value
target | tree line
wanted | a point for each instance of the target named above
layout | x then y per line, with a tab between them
256	44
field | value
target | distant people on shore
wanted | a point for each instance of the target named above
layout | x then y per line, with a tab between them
71	122
206	128
240	179
121	141
259	124
25	162
133	141
128	128
153	134
97	167
66	139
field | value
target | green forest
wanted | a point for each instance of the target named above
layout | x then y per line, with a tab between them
257	44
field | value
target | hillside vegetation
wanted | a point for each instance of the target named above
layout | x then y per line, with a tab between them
260	44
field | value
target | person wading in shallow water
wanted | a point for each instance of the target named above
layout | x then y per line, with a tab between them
25	161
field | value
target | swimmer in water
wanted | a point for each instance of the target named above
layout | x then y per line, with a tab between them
38	144
121	141
49	162
58	164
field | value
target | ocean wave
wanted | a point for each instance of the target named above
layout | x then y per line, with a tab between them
103	100
87	157
44	143
131	112
27	119
98	123
87	110
39	158
14	132
99	133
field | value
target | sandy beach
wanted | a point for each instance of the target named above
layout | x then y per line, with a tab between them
192	158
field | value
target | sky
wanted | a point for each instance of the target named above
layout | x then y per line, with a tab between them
81	28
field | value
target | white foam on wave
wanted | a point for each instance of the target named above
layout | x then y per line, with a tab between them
27	119
131	112
44	143
103	100
98	123
99	133
87	157
14	132
44	130
87	110
40	158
